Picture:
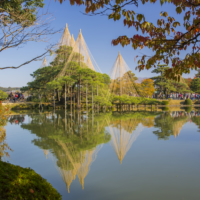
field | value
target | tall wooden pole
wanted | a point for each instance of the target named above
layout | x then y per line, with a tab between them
71	98
79	91
65	96
92	98
79	87
86	97
120	75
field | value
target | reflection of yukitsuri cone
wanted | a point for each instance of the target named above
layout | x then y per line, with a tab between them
88	158
128	125
122	140
45	152
70	175
177	127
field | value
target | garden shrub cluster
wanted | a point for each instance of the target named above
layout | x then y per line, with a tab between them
188	102
24	183
165	102
125	99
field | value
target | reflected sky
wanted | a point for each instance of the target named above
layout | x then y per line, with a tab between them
136	155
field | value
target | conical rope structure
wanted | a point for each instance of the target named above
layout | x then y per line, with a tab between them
123	140
72	43
85	57
122	80
44	63
66	37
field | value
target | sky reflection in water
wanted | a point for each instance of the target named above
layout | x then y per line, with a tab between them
138	155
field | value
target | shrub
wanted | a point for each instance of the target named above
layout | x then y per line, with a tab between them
23	183
165	102
165	108
188	102
188	109
3	95
197	102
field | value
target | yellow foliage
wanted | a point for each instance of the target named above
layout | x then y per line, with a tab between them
147	88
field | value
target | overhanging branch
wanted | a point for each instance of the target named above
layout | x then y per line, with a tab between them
25	63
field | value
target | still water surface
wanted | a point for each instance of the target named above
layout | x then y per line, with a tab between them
138	155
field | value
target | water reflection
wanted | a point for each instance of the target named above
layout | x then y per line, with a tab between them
169	124
4	148
75	139
125	129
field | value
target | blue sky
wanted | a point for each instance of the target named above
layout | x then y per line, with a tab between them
98	33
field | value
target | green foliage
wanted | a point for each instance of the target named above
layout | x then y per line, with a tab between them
3	95
21	11
196	120
165	108
125	99
165	85
188	102
165	102
195	85
168	125
23	183
46	80
4	111
188	109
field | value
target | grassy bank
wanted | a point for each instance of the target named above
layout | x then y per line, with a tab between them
123	100
27	106
23	183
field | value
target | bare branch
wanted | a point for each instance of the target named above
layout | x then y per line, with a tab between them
25	63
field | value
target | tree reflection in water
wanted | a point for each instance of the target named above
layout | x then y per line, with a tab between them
75	139
4	148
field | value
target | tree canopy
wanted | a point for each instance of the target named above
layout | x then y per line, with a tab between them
165	85
21	22
195	85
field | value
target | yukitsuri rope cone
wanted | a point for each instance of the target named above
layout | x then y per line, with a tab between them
44	63
122	81
79	47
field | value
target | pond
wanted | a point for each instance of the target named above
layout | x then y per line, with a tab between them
137	155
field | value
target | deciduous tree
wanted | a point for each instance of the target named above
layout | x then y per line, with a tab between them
147	87
20	22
